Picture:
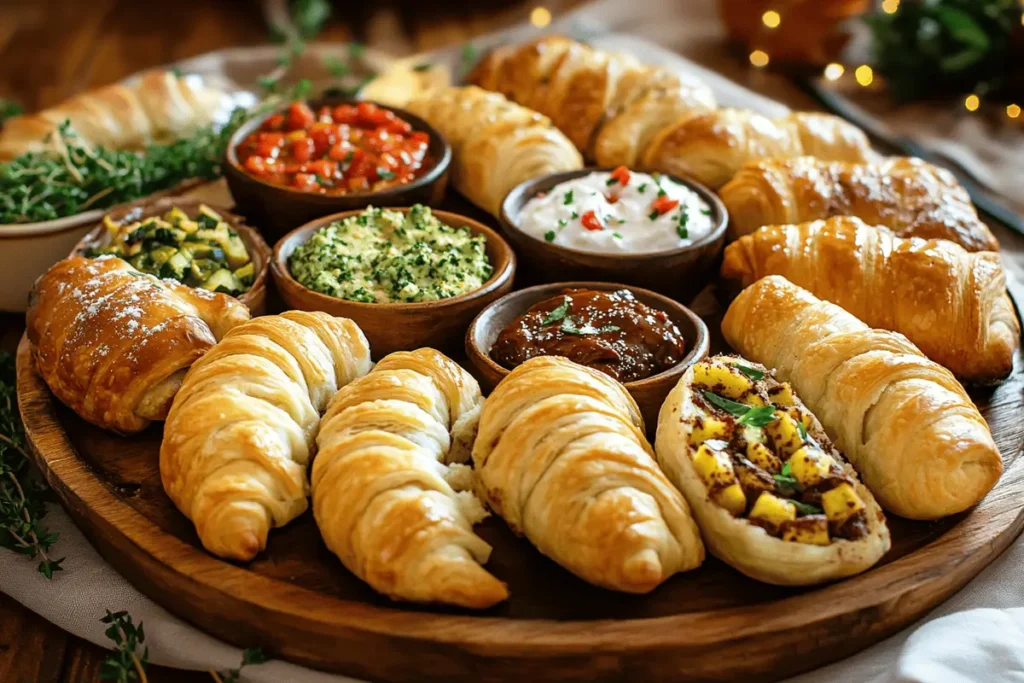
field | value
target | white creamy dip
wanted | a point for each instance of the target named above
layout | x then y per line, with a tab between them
601	213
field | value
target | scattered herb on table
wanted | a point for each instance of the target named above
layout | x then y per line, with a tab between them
22	495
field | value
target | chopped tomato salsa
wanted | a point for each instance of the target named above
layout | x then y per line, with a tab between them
335	150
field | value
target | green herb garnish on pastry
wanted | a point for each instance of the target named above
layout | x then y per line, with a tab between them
771	494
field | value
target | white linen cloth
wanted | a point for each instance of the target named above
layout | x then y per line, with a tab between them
975	637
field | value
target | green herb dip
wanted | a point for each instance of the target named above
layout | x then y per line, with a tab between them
383	256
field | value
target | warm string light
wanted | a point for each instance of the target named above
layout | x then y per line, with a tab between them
972	102
1013	111
865	75
771	19
540	17
834	71
759	58
890	6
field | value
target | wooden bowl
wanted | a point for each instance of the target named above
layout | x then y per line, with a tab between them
649	393
439	324
679	273
278	209
255	298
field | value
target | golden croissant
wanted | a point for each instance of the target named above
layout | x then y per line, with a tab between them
952	304
496	144
609	104
906	424
161	106
387	497
771	494
243	426
712	147
910	197
561	456
114	344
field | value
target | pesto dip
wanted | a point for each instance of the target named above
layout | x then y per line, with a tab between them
383	256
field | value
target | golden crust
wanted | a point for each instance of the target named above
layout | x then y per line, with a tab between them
949	302
909	196
903	421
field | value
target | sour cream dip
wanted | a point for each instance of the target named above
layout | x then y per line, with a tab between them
621	212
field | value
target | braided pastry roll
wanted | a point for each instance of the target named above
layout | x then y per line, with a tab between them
909	196
496	144
952	304
910	430
384	494
607	103
561	456
243	426
160	107
712	147
114	344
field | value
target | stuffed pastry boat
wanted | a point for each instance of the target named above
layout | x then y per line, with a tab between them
771	494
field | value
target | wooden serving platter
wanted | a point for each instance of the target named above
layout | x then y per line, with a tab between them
713	624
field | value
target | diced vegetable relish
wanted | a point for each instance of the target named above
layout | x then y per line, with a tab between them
383	256
341	150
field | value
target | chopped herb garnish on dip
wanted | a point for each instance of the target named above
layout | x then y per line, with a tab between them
568	198
549	236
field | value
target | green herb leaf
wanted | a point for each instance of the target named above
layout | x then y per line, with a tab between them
124	663
617	235
787	469
682	232
661	191
549	236
734	408
653	215
611	181
557	314
786	483
752	373
569	327
562	222
803	430
642	188
706	212
567	199
805	508
309	16
575	215
336	66
758	417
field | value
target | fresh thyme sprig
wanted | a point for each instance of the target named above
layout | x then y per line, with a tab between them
22	495
124	664
250	656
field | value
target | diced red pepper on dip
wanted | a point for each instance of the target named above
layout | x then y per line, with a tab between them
591	221
339	150
621	174
664	204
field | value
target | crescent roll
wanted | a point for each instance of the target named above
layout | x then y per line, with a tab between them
243	426
607	103
384	488
910	197
496	144
771	494
161	106
905	423
561	456
712	147
114	344
952	304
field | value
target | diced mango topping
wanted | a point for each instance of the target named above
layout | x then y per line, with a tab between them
812	529
784	434
809	465
841	503
732	499
772	509
722	380
760	455
714	468
783	395
708	427
800	416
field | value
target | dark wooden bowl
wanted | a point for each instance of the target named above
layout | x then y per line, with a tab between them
680	273
649	393
278	210
255	298
401	327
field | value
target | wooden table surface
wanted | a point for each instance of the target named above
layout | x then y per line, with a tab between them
51	49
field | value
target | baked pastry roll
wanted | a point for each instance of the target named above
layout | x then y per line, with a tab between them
607	103
243	426
771	494
114	344
160	107
561	456
909	196
904	422
712	147
389	502
496	144
951	303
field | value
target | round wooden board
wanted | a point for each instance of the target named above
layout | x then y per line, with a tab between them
298	602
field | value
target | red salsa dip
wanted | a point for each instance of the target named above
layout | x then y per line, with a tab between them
347	149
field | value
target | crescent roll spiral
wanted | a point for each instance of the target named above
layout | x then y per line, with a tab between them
496	144
159	107
607	103
952	304
383	491
114	344
712	147
243	426
561	456
910	197
905	423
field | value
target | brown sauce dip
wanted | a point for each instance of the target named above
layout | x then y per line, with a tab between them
608	331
